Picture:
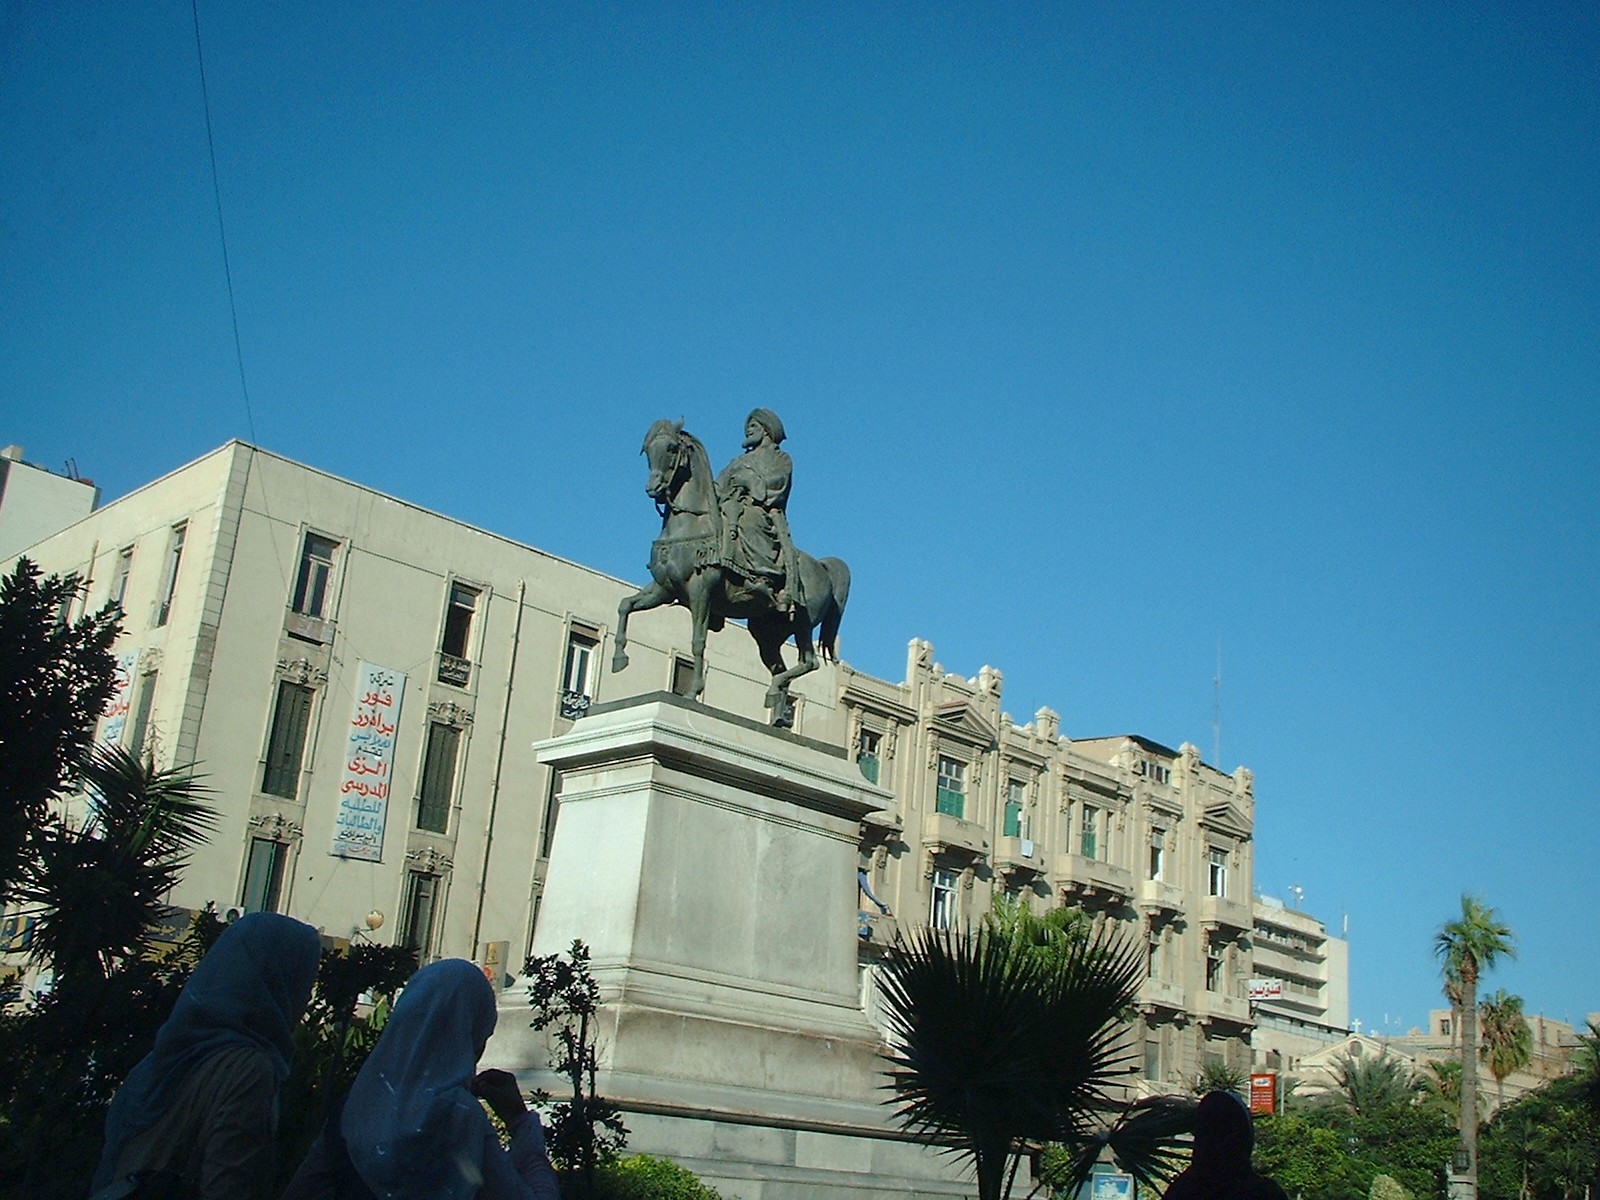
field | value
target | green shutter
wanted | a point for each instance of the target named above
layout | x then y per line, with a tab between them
287	743
438	778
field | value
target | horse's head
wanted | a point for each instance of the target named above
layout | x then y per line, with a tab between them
663	450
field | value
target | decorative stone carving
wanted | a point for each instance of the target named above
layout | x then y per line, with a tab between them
275	827
448	712
301	671
149	660
990	681
430	861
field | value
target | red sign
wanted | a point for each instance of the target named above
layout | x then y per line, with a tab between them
1263	1093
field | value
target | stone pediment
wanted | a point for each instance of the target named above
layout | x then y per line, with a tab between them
1225	817
962	718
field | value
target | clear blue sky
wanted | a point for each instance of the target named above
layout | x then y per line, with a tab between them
1103	333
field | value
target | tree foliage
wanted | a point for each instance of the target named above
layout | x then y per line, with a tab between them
1328	1151
586	1130
55	680
1507	1042
1544	1146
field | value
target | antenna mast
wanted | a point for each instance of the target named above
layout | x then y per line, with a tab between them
1216	711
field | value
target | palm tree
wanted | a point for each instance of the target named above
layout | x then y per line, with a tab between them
1366	1086
102	886
1441	1084
1507	1040
998	1047
1466	947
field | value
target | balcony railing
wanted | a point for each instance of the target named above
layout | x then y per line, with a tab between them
1215	1006
1091	881
1219	912
1161	993
944	834
1158	897
1018	856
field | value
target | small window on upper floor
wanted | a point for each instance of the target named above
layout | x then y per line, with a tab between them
313	583
263	875
950	792
1014	825
577	674
682	677
437	784
868	743
943	910
1158	853
119	577
455	659
169	586
1217	872
1089	832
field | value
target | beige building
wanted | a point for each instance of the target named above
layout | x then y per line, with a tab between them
1302	978
362	682
35	503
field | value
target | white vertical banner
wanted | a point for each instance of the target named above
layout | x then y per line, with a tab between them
368	764
115	717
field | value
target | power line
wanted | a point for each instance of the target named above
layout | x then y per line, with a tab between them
222	232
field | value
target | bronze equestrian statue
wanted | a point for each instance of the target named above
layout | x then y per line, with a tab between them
725	551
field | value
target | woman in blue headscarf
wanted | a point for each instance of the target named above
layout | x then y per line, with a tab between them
412	1127
202	1106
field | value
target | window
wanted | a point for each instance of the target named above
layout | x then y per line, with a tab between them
438	778
1158	853
1213	968
1153	956
139	719
552	808
1150	769
682	677
1217	872
942	909
286	744
119	577
1152	1054
455	665
263	875
1015	791
311	585
867	746
575	674
169	586
950	794
416	925
1088	841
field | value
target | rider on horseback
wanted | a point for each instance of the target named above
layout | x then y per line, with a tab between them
753	493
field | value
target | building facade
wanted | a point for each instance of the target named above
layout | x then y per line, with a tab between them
1305	1002
361	682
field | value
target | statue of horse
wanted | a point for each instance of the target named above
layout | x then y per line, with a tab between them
686	568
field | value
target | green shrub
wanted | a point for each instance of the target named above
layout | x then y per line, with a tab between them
643	1177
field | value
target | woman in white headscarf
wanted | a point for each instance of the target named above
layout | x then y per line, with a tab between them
412	1127
200	1111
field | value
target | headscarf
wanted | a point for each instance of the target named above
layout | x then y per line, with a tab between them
412	1125
1224	1136
768	420
250	989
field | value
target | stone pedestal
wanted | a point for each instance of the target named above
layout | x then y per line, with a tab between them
709	863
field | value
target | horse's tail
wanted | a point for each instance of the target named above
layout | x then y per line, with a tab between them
828	637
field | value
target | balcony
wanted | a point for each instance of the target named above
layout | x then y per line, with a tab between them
454	671
952	837
1160	899
1159	993
1220	914
876	930
1018	858
1093	883
1227	1010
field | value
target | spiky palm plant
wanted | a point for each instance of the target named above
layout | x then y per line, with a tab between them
102	885
1366	1086
998	1047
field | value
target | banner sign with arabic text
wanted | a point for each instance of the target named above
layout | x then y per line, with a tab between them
116	710
369	764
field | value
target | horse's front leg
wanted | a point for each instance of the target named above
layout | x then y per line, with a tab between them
778	697
701	586
652	595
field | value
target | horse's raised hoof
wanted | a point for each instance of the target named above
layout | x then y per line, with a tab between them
619	660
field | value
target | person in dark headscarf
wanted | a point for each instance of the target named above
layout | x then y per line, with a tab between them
412	1127
1220	1167
202	1106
